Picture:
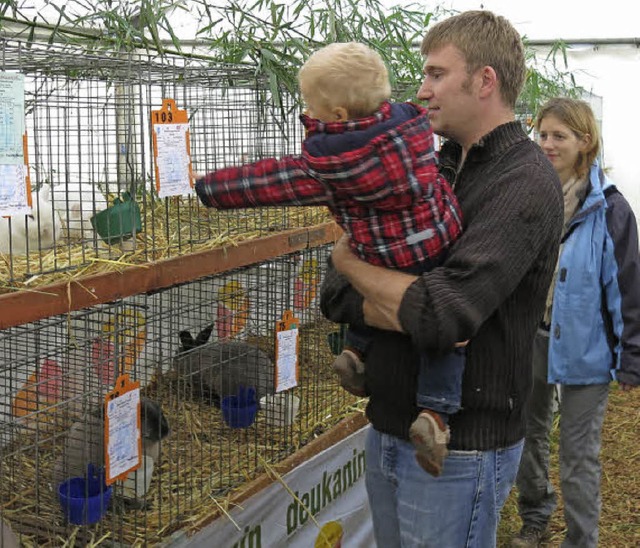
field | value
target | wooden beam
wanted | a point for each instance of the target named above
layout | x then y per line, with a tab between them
23	307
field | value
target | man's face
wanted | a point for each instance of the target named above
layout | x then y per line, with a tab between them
450	93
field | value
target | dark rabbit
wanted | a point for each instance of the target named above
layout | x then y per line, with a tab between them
154	426
84	443
220	368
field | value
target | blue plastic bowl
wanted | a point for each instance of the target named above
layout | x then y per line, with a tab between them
84	501
236	415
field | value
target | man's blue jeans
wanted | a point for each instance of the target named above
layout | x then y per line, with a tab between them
459	509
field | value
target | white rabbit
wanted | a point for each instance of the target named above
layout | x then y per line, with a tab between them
41	229
76	203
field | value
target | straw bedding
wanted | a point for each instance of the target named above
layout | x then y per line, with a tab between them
203	461
170	228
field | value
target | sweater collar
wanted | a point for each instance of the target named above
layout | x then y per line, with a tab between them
492	144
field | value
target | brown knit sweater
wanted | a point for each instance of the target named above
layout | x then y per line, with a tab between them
491	290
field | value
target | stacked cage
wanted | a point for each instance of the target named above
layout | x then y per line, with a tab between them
186	301
88	125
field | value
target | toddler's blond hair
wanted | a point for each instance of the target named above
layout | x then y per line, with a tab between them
346	74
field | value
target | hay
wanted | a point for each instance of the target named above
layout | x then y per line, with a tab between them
204	464
620	457
172	228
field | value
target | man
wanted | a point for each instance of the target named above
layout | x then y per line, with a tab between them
491	291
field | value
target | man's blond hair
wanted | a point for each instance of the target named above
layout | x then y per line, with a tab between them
346	74
484	39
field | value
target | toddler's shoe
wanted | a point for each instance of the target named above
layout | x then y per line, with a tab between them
350	370
430	436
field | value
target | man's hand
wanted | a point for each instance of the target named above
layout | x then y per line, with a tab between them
342	255
382	288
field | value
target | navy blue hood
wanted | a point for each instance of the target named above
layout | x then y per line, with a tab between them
332	144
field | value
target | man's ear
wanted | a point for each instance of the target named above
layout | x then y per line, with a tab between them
488	81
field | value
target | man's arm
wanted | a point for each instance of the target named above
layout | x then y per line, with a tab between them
339	301
381	288
520	215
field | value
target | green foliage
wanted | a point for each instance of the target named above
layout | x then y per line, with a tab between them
274	37
101	24
550	79
277	38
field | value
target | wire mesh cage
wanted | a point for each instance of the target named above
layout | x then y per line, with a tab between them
193	348
90	151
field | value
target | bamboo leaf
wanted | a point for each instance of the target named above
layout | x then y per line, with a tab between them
274	37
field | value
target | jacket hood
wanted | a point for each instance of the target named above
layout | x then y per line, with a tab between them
335	138
599	182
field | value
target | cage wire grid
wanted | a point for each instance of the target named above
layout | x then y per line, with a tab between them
88	122
56	372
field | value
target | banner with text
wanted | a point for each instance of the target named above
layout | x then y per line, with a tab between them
329	486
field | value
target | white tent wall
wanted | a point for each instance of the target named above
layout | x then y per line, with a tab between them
606	68
603	40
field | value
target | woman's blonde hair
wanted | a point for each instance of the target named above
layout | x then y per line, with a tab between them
346	74
578	116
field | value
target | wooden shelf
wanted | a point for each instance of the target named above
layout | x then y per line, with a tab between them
61	298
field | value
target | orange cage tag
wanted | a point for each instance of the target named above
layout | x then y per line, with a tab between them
287	350
171	150
122	430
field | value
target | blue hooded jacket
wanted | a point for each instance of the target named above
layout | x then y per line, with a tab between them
595	318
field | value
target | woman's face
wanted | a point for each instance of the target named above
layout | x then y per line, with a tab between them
561	145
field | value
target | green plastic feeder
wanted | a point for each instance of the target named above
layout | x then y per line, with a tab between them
118	222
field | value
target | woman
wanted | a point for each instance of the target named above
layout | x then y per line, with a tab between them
590	333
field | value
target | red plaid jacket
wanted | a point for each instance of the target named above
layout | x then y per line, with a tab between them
385	191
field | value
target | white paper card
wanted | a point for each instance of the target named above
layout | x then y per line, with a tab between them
11	118
124	433
287	359
13	190
172	159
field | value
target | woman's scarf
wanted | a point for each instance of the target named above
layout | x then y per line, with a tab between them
574	192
